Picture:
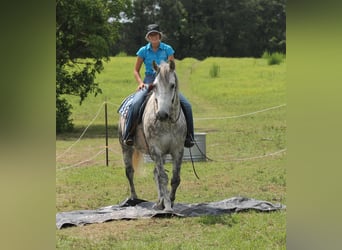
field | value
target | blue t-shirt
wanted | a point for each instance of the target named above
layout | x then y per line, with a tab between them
148	55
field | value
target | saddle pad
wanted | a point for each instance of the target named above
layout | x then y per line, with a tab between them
124	107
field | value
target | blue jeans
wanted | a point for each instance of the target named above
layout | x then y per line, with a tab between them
132	119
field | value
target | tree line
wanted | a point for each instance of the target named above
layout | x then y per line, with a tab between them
88	32
203	28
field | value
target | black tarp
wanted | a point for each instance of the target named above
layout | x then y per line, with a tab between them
134	209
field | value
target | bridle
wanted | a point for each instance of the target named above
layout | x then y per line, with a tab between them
173	99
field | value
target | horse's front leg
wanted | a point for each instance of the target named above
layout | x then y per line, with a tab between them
128	155
162	180
175	181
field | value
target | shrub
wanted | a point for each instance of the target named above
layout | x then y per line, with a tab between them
214	70
63	113
274	58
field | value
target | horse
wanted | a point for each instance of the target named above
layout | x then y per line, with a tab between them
162	131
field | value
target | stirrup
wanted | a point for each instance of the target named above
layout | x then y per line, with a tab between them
188	143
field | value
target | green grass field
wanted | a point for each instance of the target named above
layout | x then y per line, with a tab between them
243	112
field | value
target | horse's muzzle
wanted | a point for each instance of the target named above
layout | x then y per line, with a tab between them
162	115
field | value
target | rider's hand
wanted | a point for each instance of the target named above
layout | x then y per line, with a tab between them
141	86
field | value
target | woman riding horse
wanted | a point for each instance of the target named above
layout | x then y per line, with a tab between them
156	51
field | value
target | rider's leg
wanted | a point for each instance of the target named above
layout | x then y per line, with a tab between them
133	116
187	110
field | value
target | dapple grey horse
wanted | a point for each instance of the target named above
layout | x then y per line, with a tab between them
161	132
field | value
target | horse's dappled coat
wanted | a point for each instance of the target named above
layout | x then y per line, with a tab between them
162	132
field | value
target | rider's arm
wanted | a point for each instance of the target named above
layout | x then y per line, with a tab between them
136	72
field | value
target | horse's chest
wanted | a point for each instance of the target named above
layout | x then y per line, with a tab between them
162	130
166	134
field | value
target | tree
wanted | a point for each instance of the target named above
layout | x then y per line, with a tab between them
273	26
172	19
169	14
202	28
235	28
85	32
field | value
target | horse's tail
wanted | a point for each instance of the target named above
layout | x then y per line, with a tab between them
137	160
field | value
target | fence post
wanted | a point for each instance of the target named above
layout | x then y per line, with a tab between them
106	125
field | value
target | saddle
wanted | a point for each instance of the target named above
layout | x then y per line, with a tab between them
142	108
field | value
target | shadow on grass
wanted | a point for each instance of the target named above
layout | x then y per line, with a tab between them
94	131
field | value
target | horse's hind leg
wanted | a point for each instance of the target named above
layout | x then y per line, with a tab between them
127	155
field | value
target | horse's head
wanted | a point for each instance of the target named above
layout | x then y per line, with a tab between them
165	88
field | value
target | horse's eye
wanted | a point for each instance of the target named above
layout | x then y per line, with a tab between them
172	86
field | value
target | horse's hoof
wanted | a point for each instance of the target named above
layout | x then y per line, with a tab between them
168	210
158	206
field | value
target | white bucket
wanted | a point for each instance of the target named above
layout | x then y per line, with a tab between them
198	151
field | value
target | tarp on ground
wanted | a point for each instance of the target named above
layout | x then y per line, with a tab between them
136	208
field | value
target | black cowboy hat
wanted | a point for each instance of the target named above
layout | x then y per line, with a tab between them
153	28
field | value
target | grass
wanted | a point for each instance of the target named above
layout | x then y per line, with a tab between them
240	147
176	233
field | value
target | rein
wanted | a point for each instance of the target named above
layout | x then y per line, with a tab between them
180	110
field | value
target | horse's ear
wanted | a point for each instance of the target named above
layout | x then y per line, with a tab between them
172	64
155	66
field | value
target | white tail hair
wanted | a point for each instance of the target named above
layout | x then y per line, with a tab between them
137	160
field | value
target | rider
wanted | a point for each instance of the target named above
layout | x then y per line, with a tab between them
157	51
